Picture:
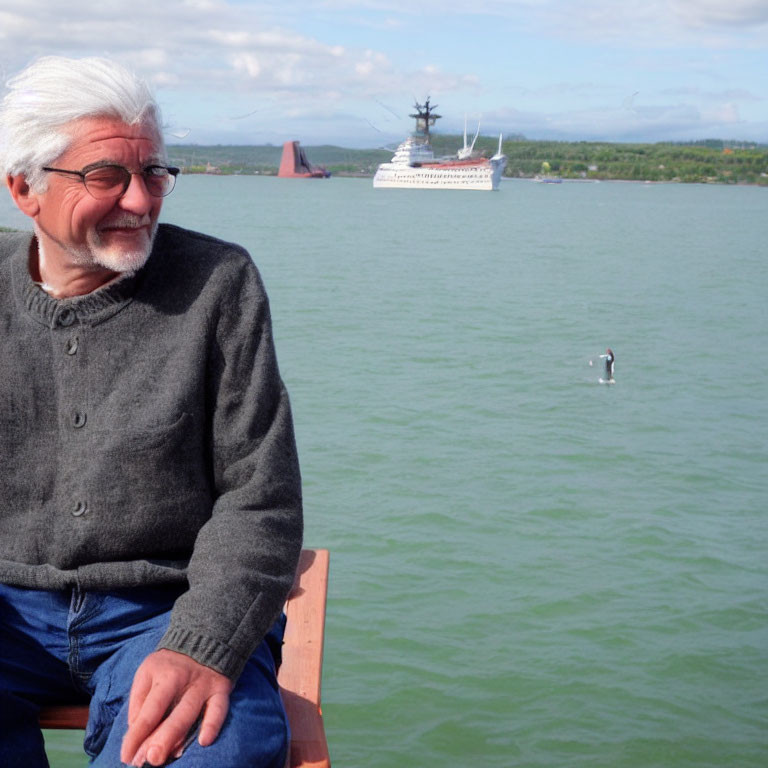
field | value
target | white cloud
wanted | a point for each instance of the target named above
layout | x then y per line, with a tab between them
740	13
151	58
195	43
263	59
648	24
202	5
230	38
651	22
12	24
725	114
644	122
726	95
248	63
165	80
364	68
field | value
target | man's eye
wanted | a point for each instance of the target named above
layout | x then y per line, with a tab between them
105	177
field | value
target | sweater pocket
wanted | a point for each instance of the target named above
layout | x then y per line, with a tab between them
148	439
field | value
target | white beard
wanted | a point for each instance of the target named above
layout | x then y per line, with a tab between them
118	259
98	255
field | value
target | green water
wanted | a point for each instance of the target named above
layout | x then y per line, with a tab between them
528	569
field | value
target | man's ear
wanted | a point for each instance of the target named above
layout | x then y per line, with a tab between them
25	199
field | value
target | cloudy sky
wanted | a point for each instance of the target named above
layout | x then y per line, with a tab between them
347	72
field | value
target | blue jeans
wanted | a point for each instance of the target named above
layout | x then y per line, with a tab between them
65	646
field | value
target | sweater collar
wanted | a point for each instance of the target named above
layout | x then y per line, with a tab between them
90	309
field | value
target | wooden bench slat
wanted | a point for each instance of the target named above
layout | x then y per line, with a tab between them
64	717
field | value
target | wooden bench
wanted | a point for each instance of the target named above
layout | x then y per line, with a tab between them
300	674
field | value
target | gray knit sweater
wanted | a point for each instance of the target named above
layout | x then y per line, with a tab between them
146	438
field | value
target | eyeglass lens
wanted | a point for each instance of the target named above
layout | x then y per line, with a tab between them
113	180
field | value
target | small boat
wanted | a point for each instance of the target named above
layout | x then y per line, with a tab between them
414	165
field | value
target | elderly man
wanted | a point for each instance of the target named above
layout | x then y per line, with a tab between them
150	502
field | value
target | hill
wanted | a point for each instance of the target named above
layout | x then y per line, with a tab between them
712	161
265	159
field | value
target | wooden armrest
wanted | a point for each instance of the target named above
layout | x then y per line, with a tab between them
300	674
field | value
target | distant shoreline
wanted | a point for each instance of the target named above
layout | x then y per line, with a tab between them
530	179
711	162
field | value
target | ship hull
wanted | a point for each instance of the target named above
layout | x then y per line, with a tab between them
483	177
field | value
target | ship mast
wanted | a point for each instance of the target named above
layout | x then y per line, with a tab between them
425	118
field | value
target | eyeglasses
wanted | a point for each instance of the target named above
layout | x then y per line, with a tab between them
103	181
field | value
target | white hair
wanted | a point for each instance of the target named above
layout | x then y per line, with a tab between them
52	92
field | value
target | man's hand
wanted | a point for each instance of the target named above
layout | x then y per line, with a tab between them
170	691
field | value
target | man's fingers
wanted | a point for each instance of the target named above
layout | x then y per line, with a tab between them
162	717
180	727
216	709
149	716
142	683
172	733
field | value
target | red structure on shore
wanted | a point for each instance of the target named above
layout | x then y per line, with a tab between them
294	164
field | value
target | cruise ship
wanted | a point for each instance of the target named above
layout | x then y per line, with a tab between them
414	165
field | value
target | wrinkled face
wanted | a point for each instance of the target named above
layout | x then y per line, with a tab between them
114	233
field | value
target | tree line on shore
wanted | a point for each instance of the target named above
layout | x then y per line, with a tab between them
712	161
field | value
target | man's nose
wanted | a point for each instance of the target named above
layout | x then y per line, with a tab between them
136	198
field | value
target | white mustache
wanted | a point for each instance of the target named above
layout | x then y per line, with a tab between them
126	221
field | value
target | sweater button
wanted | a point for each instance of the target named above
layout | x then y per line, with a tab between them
80	509
78	419
66	317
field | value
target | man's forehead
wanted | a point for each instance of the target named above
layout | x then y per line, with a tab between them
109	134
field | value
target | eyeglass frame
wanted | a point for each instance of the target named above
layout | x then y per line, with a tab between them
172	171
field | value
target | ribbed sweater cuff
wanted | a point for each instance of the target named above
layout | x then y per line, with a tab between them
205	650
